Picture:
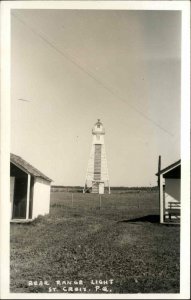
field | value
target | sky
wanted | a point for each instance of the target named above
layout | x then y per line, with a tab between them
75	66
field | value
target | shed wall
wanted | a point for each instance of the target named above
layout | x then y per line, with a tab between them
172	191
41	197
12	186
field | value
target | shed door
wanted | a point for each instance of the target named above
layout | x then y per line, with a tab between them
20	198
31	198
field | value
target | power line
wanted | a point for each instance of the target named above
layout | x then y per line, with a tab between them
92	75
25	100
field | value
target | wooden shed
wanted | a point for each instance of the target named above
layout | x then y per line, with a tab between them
29	191
169	181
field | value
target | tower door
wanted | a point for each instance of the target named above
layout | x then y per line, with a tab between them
101	188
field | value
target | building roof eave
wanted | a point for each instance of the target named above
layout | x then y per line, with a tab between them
27	168
169	168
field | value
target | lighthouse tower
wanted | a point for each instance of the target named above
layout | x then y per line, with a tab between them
97	178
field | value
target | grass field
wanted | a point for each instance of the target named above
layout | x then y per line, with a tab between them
86	238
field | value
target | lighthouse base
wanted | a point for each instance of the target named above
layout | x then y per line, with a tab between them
98	187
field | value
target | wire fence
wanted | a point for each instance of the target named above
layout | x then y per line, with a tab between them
136	200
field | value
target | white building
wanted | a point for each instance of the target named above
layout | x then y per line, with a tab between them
97	178
29	191
169	180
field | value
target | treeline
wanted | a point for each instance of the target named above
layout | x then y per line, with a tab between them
61	188
134	188
114	189
122	189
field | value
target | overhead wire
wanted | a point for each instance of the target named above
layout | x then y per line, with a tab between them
92	76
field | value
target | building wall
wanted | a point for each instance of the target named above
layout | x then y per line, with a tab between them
98	139
104	170
172	191
97	162
41	197
12	186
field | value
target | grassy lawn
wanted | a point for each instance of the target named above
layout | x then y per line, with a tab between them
121	241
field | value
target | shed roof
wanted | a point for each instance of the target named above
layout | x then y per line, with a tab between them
25	166
169	168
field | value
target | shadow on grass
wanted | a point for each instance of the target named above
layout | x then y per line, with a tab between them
149	218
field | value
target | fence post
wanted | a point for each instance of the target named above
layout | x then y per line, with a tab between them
99	201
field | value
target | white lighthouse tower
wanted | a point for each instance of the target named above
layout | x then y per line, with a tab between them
97	178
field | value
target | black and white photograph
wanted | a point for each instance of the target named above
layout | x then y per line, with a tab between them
95	149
